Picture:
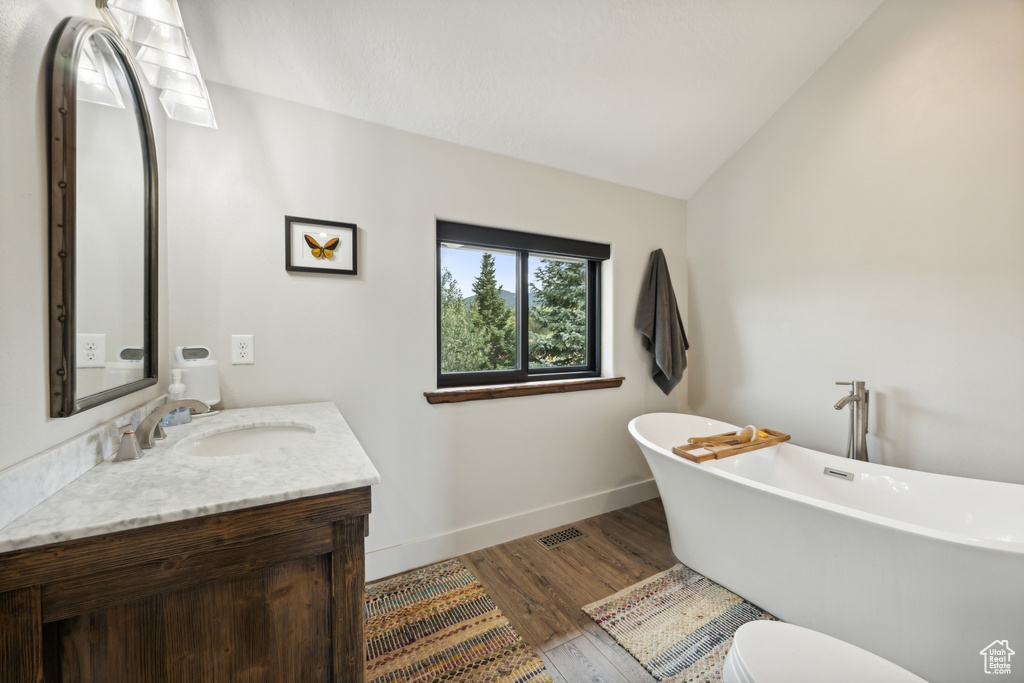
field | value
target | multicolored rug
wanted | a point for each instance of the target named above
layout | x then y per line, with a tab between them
438	624
677	624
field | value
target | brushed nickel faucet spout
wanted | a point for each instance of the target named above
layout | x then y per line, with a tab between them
857	443
148	425
845	400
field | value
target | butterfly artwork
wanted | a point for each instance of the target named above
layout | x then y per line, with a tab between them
317	246
322	252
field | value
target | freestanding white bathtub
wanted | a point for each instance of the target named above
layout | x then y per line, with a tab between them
925	570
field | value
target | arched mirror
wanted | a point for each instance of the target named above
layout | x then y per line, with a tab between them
103	222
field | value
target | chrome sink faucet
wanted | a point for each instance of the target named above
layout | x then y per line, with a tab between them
857	399
150	424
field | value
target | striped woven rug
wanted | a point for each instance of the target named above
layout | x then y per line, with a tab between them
438	624
678	624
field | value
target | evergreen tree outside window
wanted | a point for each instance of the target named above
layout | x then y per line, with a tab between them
558	312
515	306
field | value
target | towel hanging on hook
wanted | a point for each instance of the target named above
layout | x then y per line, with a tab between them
659	321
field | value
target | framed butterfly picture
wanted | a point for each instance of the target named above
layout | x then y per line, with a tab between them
315	246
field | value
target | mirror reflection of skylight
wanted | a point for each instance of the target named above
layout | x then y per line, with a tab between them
96	80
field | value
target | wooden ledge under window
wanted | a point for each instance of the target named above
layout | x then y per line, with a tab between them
457	395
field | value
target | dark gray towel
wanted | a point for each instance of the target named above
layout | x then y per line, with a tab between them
658	320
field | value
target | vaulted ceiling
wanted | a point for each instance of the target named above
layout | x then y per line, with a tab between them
653	94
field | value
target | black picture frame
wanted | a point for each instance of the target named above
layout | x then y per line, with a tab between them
301	257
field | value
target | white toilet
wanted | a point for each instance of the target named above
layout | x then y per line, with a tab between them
777	652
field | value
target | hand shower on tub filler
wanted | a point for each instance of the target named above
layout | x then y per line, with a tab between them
857	441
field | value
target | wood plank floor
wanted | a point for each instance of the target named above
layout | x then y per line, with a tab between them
541	591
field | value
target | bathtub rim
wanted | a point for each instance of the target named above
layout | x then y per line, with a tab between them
1010	547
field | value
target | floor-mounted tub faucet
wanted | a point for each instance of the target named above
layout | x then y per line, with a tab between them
857	443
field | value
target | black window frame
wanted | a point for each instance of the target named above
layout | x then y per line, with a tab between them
524	244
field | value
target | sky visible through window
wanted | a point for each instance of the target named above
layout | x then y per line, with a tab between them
464	265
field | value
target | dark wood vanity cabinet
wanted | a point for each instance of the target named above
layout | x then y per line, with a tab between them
271	593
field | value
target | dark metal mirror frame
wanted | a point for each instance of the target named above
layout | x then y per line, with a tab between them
63	115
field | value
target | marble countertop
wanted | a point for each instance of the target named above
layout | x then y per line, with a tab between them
168	484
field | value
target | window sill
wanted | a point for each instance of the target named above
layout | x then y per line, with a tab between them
527	389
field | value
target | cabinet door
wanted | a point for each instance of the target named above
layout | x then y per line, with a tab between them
269	625
21	636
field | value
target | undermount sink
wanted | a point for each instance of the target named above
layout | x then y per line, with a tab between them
245	439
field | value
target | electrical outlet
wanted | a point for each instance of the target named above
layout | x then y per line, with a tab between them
91	350
242	349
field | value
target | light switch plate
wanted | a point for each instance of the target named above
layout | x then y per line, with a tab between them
242	351
91	350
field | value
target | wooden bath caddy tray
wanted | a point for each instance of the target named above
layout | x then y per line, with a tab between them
721	446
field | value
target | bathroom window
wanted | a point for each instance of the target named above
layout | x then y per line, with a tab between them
515	306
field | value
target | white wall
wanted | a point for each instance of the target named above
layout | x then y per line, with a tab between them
873	229
26	27
453	476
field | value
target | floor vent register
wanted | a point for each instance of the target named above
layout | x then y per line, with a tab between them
561	537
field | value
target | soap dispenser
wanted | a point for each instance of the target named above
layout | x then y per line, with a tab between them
176	392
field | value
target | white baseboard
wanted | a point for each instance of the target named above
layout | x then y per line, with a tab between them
405	556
